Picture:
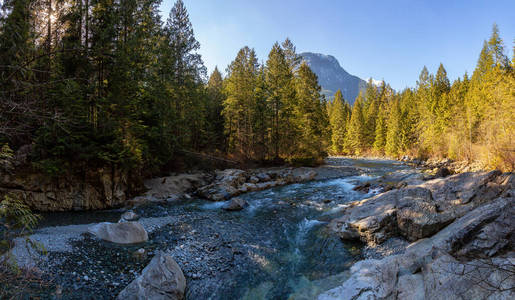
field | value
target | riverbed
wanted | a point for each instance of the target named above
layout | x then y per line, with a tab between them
279	247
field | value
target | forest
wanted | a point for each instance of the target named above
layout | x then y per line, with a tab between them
103	82
470	119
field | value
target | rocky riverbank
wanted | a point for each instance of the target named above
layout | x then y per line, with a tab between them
107	188
422	234
461	233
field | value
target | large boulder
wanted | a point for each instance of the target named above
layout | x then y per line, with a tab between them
161	279
419	211
472	258
120	233
171	186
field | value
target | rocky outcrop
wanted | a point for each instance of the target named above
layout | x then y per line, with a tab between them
462	227
120	233
442	167
445	266
93	189
161	279
416	212
173	186
233	182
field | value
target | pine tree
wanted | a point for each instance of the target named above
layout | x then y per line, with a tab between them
290	53
16	48
338	120
310	116
281	99
393	140
187	71
496	46
355	142
240	105
380	131
370	111
214	109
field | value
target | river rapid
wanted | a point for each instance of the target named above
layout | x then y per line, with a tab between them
278	247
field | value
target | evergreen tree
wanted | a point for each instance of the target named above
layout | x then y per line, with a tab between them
496	47
281	99
393	140
310	116
381	131
240	105
290	53
370	110
338	120
188	72
355	142
214	109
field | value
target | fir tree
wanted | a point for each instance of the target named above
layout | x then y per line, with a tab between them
338	120
281	99
380	131
240	104
214	109
355	141
310	115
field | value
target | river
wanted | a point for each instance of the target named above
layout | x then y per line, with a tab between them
278	247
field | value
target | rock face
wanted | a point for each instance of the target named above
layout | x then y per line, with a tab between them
120	233
161	279
233	182
333	77
464	244
94	189
236	204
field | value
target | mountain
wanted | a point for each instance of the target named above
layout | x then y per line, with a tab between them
331	76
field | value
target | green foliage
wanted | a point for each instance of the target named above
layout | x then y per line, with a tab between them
356	130
107	83
310	116
275	111
16	219
114	86
470	119
338	118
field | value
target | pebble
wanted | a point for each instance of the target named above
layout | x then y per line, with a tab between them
86	277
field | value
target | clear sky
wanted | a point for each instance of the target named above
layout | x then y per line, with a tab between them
389	39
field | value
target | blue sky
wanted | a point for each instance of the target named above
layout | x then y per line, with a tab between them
390	40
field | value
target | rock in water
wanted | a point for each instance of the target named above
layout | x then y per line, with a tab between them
120	233
129	216
235	204
161	279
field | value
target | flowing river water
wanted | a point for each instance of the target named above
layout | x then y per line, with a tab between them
279	247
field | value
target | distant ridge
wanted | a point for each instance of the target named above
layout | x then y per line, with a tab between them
331	76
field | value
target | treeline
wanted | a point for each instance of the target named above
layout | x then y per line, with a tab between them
107	82
471	119
102	82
